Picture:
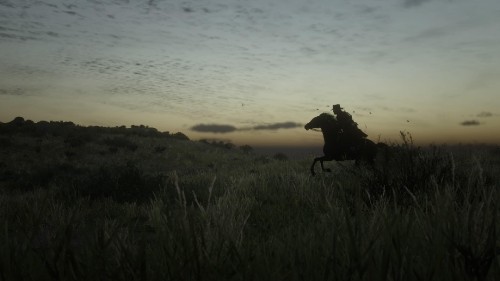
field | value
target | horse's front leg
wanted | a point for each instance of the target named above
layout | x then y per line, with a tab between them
313	164
321	159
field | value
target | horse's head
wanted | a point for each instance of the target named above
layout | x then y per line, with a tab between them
324	120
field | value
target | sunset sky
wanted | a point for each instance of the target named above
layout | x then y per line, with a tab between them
254	72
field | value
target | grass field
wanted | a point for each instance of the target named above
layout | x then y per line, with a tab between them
120	204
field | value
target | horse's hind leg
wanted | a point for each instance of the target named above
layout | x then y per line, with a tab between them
314	163
322	159
323	168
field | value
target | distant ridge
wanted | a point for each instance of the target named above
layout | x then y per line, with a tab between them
20	125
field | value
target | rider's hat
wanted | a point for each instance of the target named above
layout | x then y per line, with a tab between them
336	107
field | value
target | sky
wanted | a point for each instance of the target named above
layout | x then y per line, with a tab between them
254	72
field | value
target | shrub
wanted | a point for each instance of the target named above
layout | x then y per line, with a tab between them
78	139
246	148
229	145
180	136
120	142
280	156
159	149
5	142
405	168
122	183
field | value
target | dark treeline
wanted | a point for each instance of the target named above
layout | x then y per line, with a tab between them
65	128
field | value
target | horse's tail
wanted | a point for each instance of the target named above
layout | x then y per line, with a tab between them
374	149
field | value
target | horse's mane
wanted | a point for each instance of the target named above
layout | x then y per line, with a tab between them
328	117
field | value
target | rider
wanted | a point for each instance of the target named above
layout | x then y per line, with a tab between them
350	133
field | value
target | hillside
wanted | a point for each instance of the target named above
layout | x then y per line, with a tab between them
93	203
34	155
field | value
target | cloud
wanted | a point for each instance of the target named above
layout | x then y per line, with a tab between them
431	33
413	3
213	128
224	128
485	114
470	123
12	92
276	126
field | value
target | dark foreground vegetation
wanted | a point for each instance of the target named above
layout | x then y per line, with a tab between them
88	203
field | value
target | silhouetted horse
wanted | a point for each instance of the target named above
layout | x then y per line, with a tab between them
365	150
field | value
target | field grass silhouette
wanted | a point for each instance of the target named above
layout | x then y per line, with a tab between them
136	204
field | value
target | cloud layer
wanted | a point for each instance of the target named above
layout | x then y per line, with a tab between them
224	128
470	123
213	128
485	114
276	126
413	3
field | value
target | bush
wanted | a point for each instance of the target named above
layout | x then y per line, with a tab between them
6	142
246	148
159	149
180	136
78	139
122	183
404	171
120	142
280	156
